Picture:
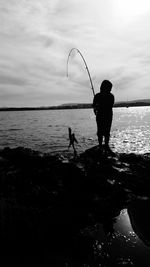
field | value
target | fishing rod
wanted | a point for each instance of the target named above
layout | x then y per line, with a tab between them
92	87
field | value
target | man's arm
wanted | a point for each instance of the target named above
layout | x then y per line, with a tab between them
113	99
94	104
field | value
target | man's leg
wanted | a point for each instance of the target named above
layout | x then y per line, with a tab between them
99	133
107	148
107	137
100	140
100	137
107	133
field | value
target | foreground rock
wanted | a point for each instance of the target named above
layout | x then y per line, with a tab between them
47	203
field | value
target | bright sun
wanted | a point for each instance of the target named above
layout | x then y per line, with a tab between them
130	9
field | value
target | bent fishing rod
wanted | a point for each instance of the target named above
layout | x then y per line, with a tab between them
92	87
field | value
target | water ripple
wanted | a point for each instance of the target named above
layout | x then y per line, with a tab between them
48	130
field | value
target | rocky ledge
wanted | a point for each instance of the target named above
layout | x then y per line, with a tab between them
49	199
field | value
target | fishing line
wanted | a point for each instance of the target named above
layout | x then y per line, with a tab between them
92	87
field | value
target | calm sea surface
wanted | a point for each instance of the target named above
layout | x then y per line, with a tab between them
47	131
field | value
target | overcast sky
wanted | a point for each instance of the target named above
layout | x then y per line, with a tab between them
37	35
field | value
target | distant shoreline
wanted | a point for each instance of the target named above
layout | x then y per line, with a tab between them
138	103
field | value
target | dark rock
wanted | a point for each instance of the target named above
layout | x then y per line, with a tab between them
46	199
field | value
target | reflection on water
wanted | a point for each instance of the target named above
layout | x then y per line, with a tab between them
129	244
131	130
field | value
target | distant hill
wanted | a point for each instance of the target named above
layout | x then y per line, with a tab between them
132	103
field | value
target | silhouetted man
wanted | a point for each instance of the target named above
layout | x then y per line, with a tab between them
102	105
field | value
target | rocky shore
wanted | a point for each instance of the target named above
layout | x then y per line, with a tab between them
49	203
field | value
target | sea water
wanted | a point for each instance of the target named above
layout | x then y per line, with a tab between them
47	130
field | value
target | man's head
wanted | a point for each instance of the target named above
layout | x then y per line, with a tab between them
106	86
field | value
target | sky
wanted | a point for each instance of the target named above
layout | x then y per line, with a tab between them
36	37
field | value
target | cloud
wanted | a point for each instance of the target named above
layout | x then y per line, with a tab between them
5	79
36	37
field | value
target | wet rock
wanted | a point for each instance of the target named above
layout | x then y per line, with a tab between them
51	199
